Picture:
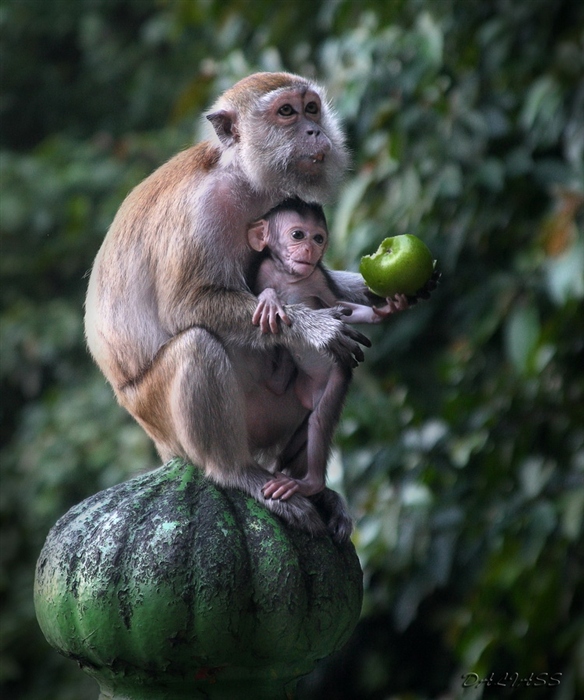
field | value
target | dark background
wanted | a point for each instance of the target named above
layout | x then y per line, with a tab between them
461	449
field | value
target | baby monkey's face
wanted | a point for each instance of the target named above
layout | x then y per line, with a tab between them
301	242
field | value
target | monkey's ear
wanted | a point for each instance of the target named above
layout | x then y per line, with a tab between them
257	235
225	125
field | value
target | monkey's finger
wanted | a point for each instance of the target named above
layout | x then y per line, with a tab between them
383	311
273	321
400	301
357	336
349	352
272	484
294	488
285	491
257	315
284	316
391	307
345	354
269	489
427	289
340	311
265	323
351	332
275	488
358	355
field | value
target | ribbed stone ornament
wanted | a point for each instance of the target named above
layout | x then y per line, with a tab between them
167	588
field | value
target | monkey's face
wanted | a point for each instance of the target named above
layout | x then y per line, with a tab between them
293	143
297	243
297	116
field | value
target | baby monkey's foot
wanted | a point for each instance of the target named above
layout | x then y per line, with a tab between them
282	487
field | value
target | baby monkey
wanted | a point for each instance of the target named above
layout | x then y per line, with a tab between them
293	238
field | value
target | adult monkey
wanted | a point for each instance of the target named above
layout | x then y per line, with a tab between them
168	309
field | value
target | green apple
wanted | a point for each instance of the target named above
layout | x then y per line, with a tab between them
401	265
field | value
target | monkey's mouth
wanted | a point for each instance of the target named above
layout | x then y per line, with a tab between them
311	163
303	264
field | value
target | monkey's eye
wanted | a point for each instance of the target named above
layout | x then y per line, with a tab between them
312	108
319	239
298	234
286	110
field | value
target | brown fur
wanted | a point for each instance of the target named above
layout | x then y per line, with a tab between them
168	311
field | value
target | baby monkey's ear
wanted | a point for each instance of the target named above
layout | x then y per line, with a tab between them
257	235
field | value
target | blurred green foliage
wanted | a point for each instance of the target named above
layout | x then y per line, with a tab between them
462	443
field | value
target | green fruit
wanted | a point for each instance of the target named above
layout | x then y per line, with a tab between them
401	265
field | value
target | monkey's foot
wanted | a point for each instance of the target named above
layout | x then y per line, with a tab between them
283	486
296	510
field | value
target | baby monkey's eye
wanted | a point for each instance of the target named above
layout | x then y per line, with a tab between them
319	239
298	234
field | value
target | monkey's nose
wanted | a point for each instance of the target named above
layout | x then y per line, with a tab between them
313	132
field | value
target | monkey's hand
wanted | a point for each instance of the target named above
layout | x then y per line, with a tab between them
358	313
374	314
268	311
345	344
427	289
323	330
398	303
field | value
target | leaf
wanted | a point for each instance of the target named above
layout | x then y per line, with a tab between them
432	43
573	513
565	274
522	334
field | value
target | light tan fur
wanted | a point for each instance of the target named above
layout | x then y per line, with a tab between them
168	309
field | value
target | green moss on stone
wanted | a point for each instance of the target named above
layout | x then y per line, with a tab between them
166	584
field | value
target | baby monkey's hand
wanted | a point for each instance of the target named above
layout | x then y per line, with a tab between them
268	311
